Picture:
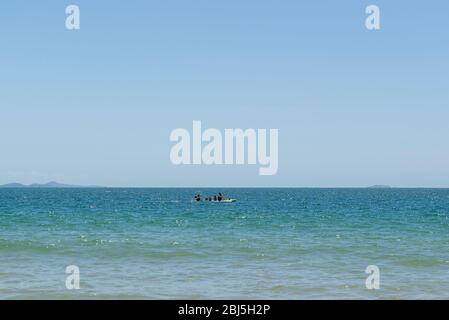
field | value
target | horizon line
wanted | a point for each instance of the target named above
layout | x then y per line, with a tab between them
68	186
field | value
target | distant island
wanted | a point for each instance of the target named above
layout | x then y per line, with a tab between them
51	184
380	186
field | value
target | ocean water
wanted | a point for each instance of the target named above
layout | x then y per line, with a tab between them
271	244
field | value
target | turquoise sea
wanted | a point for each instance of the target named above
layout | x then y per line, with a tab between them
270	244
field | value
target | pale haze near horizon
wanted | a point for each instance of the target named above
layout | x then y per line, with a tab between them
353	107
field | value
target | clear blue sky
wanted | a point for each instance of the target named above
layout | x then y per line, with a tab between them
353	107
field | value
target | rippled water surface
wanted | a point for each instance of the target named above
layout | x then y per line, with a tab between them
270	244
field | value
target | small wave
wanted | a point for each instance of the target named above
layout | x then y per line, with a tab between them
25	245
422	262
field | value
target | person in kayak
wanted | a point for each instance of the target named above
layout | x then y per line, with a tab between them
220	196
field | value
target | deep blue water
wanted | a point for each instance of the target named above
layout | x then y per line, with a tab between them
270	244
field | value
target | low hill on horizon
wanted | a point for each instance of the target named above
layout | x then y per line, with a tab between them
51	184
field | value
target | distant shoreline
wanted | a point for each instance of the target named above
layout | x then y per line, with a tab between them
64	186
49	185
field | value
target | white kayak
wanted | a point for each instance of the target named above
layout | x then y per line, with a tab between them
224	200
